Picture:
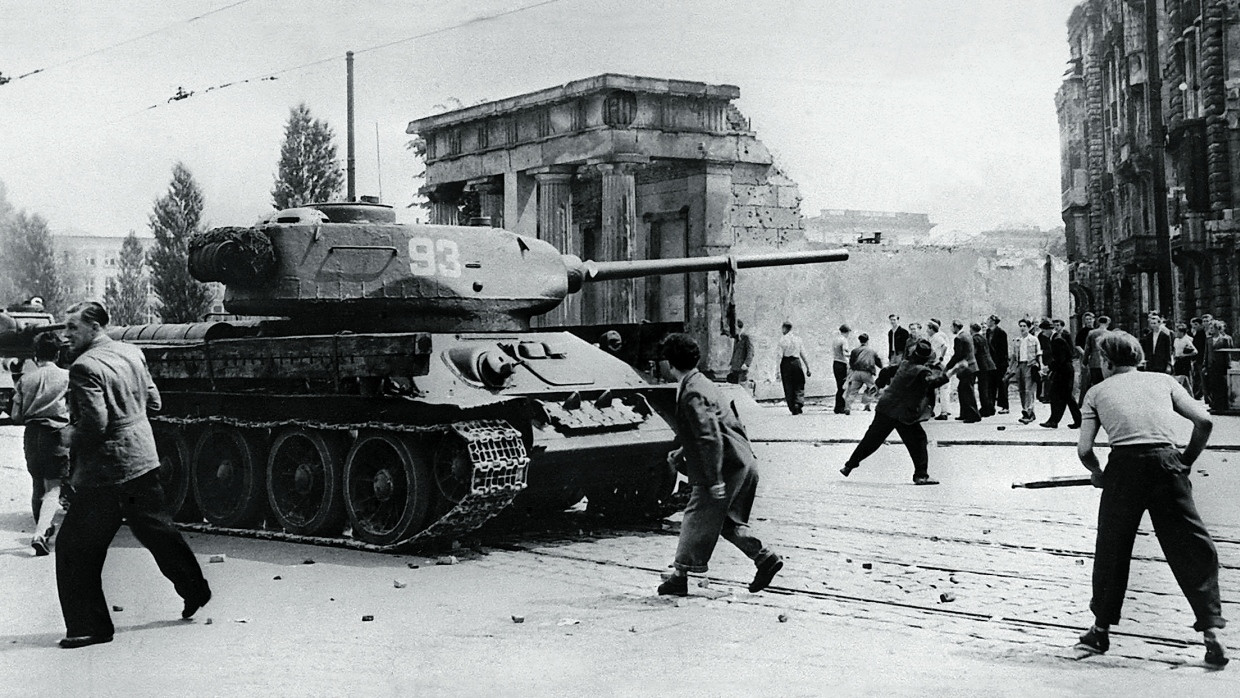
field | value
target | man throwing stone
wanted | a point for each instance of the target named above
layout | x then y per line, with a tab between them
716	456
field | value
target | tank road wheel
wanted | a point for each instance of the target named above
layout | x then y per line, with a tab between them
227	476
174	475
387	488
304	482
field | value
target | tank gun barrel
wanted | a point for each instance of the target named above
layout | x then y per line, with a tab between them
580	272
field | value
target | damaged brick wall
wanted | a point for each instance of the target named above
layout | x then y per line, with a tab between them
766	207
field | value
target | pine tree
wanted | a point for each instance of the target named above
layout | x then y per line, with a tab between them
126	295
28	261
177	216
308	170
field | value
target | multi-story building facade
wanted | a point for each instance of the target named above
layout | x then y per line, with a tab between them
1111	181
91	261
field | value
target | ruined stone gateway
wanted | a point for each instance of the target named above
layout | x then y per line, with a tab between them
617	167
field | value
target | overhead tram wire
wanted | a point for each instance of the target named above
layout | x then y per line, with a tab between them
118	44
183	94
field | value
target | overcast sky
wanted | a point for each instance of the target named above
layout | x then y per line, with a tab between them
938	106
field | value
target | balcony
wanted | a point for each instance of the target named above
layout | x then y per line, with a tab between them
1193	237
1137	253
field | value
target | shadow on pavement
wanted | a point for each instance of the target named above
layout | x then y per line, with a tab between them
49	640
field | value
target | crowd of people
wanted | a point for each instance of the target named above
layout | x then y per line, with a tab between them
985	364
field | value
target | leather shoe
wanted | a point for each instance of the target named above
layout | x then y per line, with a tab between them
40	546
1048	425
1096	640
942	417
1075	426
1216	653
194	603
924	480
847	469
766	572
76	641
675	585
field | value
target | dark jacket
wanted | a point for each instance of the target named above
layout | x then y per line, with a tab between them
909	397
897	339
1158	349
710	431
1062	351
110	392
999	348
864	359
742	352
962	351
981	352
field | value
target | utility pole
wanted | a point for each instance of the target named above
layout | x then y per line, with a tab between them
1158	168
350	174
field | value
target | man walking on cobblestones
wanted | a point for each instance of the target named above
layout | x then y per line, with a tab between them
716	456
1146	472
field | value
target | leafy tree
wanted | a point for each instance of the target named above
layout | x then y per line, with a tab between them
177	216
126	295
308	171
28	261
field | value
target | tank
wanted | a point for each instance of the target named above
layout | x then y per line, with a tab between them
382	381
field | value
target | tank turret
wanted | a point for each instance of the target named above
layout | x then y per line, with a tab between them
351	266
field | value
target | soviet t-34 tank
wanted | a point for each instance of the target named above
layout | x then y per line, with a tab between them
386	380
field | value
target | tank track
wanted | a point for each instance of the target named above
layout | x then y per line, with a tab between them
495	449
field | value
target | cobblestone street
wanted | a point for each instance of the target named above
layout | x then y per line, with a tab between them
971	587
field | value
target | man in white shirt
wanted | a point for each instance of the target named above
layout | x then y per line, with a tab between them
939	343
840	347
793	368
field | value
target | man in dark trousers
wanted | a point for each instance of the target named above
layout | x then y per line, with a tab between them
999	353
716	456
905	403
1198	331
1045	329
1147	472
1157	343
986	377
793	368
1059	382
742	355
963	363
115	478
897	340
841	347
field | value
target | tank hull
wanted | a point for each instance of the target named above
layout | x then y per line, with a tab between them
442	431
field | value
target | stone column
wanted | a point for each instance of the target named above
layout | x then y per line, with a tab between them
490	199
555	226
444	205
617	237
520	209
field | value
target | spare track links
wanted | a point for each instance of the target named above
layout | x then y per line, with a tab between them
496	453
